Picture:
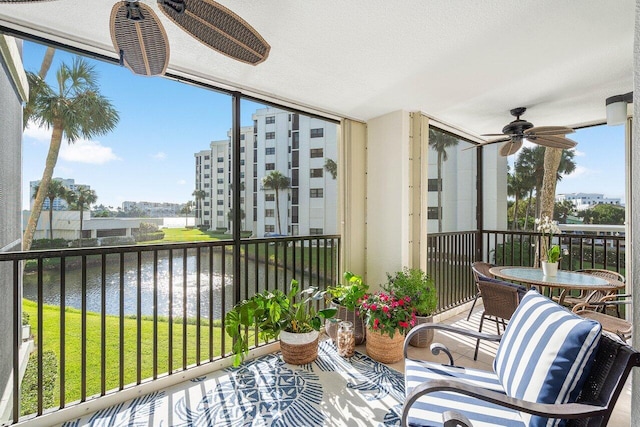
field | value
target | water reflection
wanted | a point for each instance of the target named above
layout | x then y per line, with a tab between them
176	290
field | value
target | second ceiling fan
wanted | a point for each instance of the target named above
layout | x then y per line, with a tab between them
514	134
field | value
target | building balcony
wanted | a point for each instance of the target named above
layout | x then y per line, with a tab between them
112	323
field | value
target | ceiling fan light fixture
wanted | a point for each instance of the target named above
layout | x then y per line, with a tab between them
617	108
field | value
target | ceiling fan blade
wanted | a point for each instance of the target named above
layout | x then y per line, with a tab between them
494	134
548	130
482	144
139	38
21	1
553	141
217	27
510	148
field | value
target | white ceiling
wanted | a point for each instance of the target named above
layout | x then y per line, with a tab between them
463	62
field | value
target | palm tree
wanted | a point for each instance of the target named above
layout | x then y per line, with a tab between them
186	210
81	197
56	190
231	216
199	195
531	163
331	166
74	109
276	181
556	162
440	141
44	70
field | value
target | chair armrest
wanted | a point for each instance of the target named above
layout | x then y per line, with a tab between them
447	328
455	419
548	410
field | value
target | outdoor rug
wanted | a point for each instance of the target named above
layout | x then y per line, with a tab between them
332	391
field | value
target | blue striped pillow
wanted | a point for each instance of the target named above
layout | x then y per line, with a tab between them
545	353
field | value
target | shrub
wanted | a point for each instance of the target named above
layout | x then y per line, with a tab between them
29	389
158	235
418	286
49	244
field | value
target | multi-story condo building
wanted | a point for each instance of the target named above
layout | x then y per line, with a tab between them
58	203
298	147
153	209
583	201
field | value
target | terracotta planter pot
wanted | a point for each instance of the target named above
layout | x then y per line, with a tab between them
349	315
299	349
383	348
423	338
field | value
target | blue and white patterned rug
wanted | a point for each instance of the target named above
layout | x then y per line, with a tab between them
332	391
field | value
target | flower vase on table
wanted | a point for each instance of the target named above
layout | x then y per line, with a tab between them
549	269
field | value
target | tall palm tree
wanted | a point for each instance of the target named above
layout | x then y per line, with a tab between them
276	181
199	195
56	190
556	162
440	141
44	70
186	210
75	108
531	162
331	166
81	197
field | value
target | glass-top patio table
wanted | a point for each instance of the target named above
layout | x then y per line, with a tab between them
565	280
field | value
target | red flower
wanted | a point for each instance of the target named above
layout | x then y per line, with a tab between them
375	323
385	309
373	307
403	324
401	302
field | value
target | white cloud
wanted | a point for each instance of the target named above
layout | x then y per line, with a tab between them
160	155
83	151
578	153
581	172
182	182
40	134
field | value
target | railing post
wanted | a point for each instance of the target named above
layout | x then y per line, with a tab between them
479	255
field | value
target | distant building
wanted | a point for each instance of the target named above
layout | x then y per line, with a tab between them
297	146
583	201
58	203
153	209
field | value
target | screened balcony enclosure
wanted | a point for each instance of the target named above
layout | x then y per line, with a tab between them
371	112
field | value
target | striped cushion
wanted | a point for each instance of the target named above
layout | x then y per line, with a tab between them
427	410
545	353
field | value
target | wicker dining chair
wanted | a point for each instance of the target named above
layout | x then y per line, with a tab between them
480	270
591	296
613	324
500	300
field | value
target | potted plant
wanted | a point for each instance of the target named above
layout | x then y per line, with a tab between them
421	290
550	253
346	299
292	317
387	317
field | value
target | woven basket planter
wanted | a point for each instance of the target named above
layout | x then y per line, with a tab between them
299	349
349	315
423	338
383	348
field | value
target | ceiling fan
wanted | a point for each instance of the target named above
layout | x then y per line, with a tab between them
514	133
141	41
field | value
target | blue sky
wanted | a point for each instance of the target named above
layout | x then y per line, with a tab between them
150	155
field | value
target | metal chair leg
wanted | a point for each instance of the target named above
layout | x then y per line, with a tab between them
473	305
475	354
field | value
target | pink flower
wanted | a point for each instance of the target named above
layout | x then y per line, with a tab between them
373	307
385	309
375	323
401	302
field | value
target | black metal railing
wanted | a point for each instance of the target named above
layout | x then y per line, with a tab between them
115	317
450	255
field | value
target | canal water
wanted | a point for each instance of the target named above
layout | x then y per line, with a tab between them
212	282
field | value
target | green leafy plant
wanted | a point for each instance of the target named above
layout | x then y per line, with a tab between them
387	313
349	294
273	312
418	286
548	228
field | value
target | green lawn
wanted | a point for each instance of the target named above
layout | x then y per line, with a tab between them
172	235
73	354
